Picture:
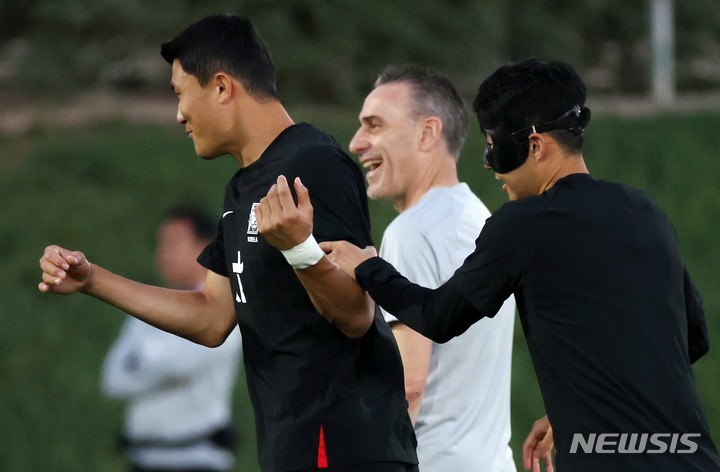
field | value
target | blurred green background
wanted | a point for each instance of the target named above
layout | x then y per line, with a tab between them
91	157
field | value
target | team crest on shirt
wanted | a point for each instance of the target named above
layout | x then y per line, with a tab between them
252	224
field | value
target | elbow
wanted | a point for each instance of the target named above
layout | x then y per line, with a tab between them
210	342
211	337
414	391
353	321
116	386
440	337
697	351
110	391
358	329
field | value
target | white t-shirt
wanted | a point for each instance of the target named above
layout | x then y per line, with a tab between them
464	420
175	390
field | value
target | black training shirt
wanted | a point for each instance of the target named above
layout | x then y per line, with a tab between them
305	377
610	315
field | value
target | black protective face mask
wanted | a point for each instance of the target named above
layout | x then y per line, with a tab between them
504	154
509	150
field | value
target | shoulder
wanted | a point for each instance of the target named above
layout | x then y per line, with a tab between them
449	203
636	195
320	154
306	141
451	211
446	217
608	197
514	220
405	230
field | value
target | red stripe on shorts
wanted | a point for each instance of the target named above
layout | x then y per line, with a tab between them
322	456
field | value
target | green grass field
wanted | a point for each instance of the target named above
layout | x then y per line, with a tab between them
103	189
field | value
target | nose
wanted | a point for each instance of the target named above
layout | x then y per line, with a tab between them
358	144
180	118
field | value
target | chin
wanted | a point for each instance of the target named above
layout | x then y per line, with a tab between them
374	194
205	154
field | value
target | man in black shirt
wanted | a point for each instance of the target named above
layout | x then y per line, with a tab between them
328	391
610	314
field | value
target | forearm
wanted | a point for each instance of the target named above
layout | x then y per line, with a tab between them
338	298
439	314
415	351
190	314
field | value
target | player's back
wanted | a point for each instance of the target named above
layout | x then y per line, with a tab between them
606	308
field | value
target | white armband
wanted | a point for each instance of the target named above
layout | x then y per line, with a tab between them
305	254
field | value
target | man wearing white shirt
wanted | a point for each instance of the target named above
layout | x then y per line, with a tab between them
178	393
413	126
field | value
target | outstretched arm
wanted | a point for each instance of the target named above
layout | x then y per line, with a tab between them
438	314
336	296
205	316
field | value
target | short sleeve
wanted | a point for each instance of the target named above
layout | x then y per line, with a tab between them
337	192
411	253
213	256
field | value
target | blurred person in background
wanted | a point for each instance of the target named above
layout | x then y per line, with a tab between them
178	393
412	128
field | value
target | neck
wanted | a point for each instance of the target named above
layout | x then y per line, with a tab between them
441	173
568	166
258	125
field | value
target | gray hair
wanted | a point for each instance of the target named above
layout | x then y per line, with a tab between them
433	95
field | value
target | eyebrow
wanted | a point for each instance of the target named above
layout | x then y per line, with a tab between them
370	118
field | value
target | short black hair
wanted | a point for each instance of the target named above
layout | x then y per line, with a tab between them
433	95
225	43
530	92
203	225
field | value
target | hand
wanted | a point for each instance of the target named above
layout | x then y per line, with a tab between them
346	255
64	272
539	443
283	224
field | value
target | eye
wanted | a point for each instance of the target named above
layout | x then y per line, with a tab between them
487	156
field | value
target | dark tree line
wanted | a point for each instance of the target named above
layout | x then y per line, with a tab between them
330	50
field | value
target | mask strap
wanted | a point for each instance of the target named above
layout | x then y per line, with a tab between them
560	123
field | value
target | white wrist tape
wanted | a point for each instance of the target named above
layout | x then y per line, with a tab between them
305	254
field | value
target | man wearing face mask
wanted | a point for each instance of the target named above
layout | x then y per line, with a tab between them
610	314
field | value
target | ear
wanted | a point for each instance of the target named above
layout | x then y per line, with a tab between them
538	147
225	87
431	132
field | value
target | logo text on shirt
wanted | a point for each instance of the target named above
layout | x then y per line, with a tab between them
252	224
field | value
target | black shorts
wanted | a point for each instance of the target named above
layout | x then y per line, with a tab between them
370	467
137	468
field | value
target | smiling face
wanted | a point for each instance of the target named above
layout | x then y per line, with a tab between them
200	113
386	142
